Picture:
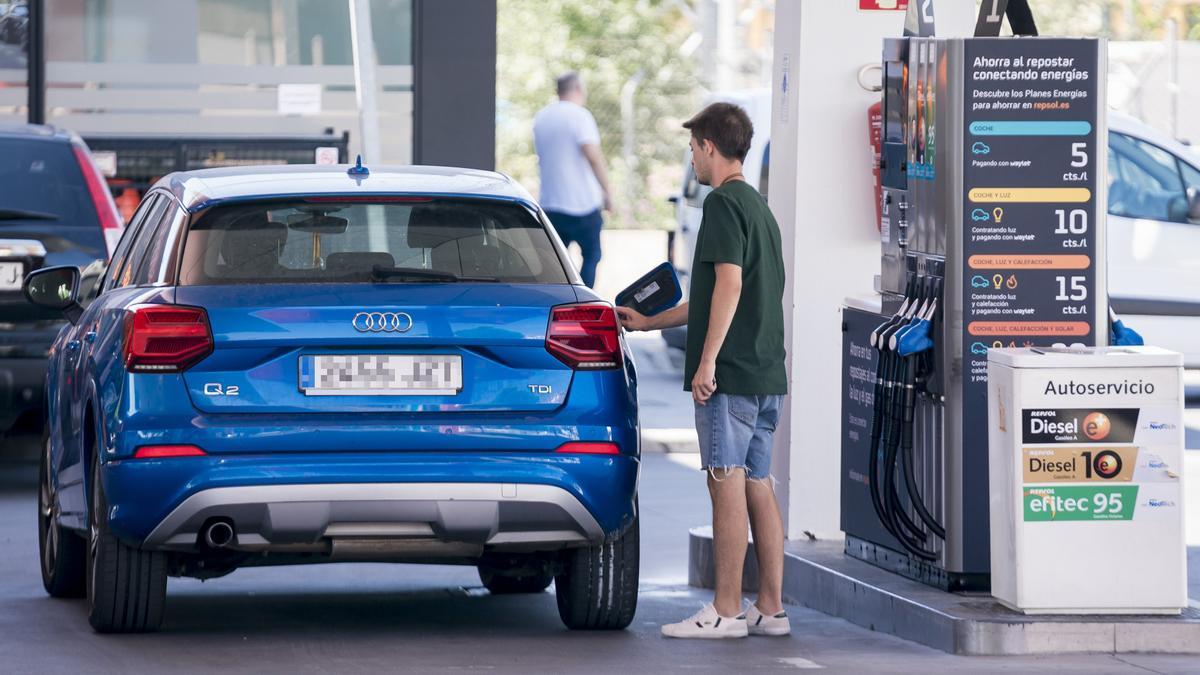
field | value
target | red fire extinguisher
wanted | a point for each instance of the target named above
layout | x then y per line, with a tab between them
875	134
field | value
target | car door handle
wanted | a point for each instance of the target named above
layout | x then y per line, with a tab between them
89	337
73	346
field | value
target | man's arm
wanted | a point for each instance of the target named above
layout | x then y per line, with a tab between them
726	293
596	159
632	320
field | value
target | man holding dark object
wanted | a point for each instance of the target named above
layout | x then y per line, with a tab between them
735	371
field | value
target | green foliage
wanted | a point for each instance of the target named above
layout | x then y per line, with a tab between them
608	43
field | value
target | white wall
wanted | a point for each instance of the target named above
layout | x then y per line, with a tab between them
831	249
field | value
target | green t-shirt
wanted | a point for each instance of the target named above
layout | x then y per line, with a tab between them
738	228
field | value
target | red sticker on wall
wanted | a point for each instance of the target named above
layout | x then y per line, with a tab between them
876	5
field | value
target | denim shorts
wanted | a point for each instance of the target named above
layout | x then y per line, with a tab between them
737	431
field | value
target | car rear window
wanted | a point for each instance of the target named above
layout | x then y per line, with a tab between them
43	178
348	241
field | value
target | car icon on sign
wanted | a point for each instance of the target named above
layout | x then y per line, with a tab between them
980	148
979	281
979	214
978	348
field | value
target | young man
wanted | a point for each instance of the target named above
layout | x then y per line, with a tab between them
735	371
574	180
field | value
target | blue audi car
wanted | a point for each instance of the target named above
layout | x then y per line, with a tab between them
312	364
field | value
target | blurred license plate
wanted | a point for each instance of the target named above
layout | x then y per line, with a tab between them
381	375
11	276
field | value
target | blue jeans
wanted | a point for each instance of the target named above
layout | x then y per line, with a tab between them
584	230
738	431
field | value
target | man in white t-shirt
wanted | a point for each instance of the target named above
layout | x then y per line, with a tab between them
574	180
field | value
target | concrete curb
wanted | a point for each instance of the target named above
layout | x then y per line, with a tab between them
670	440
819	576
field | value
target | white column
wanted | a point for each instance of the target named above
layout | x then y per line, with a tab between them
819	145
363	43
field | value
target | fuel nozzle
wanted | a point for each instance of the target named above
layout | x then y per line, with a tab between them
1121	334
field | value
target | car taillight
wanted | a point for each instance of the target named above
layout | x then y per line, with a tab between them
585	337
106	209
165	338
589	448
164	451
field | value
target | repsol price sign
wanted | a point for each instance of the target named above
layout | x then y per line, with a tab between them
1080	502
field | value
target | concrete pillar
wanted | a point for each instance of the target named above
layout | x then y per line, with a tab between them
819	145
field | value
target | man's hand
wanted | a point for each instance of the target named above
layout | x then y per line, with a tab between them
607	206
704	384
632	320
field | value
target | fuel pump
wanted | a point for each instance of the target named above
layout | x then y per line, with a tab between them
975	148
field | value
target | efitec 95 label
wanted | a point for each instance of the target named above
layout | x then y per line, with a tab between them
1079	464
1079	425
1079	502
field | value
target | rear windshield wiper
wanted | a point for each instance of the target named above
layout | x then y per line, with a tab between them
20	214
384	273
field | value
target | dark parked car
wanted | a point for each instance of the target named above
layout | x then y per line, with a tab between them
54	210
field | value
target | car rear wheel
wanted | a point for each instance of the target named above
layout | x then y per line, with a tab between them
504	582
597	588
63	553
127	588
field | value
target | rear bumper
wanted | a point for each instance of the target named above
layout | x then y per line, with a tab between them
308	502
406	518
22	382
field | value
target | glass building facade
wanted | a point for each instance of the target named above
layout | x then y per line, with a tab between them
214	67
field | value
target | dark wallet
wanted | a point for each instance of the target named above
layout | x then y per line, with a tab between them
657	291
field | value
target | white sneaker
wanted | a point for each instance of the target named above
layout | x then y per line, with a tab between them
707	624
761	624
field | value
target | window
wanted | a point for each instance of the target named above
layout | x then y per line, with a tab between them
151	264
326	241
117	263
141	242
1146	182
765	175
43	177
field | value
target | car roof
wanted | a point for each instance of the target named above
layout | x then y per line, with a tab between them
1131	126
205	187
36	132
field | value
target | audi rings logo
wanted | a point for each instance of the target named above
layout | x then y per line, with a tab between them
382	322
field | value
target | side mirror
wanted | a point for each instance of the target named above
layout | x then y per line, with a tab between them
1193	204
55	288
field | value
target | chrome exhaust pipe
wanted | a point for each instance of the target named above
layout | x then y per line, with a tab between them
219	534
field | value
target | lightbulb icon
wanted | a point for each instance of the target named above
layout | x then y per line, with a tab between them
997	213
998	280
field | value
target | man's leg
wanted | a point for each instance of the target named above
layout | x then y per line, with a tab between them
767	525
728	490
564	225
765	519
589	245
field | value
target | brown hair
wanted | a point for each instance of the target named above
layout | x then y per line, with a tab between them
726	126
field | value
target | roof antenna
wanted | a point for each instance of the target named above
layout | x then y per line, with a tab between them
358	170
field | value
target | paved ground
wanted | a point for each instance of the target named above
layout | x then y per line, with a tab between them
355	618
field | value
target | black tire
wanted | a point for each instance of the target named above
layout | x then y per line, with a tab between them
499	583
127	588
62	552
598	586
